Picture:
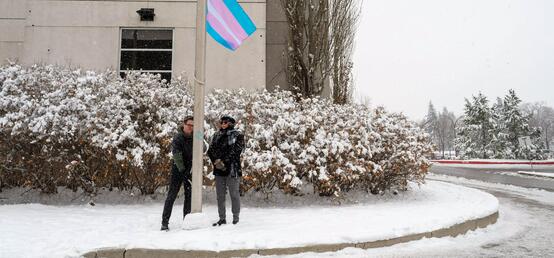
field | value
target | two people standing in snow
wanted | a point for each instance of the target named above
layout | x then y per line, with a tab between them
224	152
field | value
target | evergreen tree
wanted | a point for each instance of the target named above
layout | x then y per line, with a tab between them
516	126
430	124
495	132
499	138
541	116
474	137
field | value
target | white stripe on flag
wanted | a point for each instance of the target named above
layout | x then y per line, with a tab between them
212	10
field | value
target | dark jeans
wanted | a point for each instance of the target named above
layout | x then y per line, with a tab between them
177	178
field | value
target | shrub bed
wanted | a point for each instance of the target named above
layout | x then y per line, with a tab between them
80	129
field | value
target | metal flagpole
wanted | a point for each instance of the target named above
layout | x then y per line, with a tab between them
199	83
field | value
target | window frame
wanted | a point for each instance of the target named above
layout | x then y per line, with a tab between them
121	49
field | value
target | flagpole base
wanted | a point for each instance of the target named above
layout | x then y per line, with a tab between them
196	221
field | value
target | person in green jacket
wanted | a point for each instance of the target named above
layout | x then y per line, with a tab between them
180	170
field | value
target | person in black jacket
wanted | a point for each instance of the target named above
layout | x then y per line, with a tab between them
180	170
224	152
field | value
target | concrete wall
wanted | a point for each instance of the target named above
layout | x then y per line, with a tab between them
12	27
87	34
276	45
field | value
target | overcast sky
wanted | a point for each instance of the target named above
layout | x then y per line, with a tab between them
410	52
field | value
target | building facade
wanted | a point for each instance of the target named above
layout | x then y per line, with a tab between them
109	34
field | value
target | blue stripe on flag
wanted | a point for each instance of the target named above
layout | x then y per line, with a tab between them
245	21
216	36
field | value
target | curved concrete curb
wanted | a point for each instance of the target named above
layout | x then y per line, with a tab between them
455	230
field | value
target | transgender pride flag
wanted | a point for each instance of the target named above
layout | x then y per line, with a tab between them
227	23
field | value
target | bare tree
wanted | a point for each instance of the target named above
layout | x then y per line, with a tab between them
441	127
308	54
445	130
320	42
365	101
344	19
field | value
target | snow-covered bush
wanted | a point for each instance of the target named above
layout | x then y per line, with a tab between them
115	131
330	148
62	127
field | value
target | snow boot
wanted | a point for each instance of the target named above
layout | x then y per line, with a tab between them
164	227
235	221
220	222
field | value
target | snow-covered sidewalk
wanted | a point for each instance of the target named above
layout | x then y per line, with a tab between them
34	230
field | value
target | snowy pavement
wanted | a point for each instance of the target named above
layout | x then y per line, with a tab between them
533	173
524	229
508	175
58	231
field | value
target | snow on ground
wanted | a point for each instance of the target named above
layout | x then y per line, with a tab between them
533	173
519	229
529	174
508	225
57	231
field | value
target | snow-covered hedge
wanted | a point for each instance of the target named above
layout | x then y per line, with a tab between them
78	128
73	128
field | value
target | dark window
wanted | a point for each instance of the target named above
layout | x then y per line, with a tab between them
147	50
144	39
145	60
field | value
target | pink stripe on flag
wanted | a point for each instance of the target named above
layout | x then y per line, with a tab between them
220	29
229	18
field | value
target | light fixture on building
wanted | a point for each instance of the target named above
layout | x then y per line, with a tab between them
146	14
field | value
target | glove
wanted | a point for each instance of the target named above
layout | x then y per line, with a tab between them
218	164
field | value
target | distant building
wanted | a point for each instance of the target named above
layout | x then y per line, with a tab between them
101	34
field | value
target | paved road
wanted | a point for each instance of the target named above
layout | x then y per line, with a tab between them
525	227
501	176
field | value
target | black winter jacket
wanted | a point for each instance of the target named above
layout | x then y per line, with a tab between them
227	145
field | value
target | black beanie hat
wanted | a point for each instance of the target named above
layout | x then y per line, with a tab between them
227	118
